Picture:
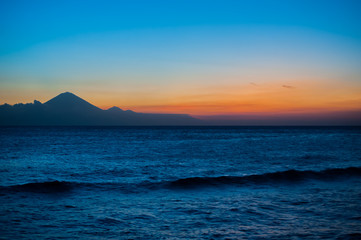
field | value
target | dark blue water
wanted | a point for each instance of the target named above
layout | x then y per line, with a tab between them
180	183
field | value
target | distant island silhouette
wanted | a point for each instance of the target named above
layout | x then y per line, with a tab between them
67	109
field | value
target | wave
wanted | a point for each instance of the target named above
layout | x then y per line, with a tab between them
282	177
41	187
66	186
289	176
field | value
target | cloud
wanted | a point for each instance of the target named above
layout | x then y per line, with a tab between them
288	86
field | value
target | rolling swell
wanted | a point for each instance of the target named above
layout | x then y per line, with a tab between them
51	187
282	177
42	187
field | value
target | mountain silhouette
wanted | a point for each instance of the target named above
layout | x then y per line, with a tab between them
115	109
70	102
67	109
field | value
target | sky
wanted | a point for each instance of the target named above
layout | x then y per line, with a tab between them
197	57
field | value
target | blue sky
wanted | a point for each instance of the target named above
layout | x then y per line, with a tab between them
25	23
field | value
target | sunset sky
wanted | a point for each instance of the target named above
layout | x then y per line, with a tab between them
197	57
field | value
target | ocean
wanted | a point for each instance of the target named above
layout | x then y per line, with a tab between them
180	183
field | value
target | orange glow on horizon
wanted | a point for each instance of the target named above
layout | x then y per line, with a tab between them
297	96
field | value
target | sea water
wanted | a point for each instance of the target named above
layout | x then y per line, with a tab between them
180	183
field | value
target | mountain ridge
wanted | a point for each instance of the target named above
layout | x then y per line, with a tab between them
67	109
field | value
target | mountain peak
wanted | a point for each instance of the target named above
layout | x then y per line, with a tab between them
67	93
69	101
115	109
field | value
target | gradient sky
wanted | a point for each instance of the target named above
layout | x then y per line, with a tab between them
196	57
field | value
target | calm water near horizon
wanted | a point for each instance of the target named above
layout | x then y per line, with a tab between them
180	183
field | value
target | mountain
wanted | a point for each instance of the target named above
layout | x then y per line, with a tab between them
115	109
67	109
70	102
